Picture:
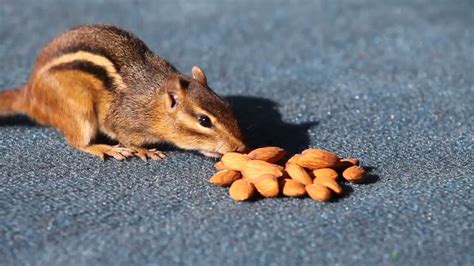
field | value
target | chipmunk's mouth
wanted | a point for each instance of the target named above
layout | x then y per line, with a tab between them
211	154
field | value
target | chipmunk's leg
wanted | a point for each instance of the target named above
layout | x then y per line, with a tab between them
100	150
66	101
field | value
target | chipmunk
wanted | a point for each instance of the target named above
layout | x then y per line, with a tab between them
102	79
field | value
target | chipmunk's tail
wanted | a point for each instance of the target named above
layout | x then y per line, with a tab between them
12	101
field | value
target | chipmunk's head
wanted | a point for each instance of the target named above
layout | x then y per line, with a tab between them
200	120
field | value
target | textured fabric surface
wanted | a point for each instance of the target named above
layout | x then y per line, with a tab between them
390	82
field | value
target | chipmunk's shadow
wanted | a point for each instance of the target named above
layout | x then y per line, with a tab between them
260	121
17	120
262	125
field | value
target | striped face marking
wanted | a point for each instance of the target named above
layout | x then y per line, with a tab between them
191	123
98	65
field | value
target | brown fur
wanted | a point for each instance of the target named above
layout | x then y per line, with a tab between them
100	78
12	101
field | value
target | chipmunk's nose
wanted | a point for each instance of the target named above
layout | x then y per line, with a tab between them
234	145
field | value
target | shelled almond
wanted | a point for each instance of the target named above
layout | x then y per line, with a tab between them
298	173
267	186
294	158
346	163
326	172
351	161
315	159
354	174
241	190
314	172
318	192
225	177
219	166
292	188
329	183
255	168
268	154
234	161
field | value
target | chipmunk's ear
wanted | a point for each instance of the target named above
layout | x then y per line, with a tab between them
175	91
198	74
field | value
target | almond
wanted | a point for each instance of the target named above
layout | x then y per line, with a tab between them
267	186
326	172
354	174
219	166
225	177
316	159
294	158
241	190
268	154
346	163
330	183
292	188
256	168
318	192
234	161
298	173
353	161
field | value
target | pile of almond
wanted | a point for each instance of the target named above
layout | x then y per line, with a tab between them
314	172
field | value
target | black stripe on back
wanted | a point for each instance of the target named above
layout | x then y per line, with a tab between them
93	50
88	67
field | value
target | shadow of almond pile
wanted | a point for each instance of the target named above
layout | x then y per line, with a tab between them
262	124
264	171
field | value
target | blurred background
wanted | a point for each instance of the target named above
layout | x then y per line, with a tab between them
390	82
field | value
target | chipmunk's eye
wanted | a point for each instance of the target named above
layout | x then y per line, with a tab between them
205	121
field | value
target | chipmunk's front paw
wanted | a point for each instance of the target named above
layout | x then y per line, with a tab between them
144	154
120	152
102	150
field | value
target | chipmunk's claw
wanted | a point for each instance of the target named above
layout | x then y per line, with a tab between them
145	154
119	152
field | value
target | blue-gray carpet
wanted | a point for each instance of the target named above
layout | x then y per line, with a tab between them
390	82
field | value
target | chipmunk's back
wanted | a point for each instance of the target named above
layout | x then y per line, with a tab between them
107	44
